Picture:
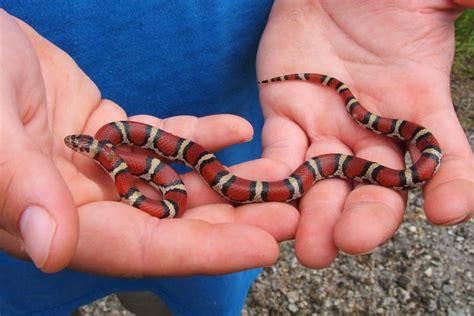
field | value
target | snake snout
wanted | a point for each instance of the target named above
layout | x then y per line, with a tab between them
80	143
70	141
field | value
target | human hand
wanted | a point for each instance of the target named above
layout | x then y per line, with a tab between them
396	59
45	96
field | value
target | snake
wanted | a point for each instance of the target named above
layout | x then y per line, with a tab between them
126	168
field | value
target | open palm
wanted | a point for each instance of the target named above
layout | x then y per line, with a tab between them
45	96
396	58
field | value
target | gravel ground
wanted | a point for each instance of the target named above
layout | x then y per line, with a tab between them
423	269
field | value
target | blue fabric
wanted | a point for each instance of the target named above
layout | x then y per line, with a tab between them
161	58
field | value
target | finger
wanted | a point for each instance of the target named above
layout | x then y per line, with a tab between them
320	208
279	219
284	141
36	205
213	132
449	197
132	243
372	214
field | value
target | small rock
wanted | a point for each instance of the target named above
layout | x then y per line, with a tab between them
448	290
428	272
405	295
292	296
402	281
432	306
292	308
453	311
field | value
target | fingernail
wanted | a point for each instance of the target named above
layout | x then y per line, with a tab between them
456	221
37	228
368	252
359	254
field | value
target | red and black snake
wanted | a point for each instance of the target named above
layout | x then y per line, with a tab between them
125	167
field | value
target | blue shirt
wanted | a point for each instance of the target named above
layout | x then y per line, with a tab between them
162	58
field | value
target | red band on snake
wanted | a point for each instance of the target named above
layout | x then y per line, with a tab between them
125	167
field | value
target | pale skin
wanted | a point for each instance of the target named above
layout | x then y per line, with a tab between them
396	57
45	96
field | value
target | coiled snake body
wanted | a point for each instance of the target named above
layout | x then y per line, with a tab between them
125	167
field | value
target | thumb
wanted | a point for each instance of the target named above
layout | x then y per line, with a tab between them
36	206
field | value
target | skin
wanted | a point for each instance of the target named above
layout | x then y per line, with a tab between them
398	74
46	96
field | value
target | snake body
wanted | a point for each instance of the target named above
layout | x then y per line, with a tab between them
125	167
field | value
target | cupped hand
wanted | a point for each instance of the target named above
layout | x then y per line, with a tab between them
60	209
396	58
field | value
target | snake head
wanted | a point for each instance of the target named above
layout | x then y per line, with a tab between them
84	144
